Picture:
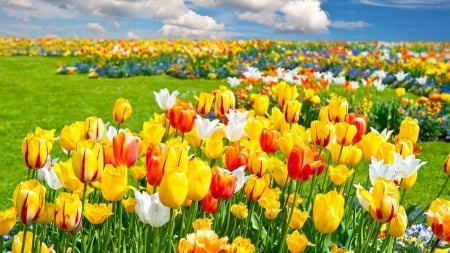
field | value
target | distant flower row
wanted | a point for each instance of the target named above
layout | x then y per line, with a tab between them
423	68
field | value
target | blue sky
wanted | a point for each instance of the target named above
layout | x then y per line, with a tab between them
383	20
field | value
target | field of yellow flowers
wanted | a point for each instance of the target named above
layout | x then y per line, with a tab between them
266	162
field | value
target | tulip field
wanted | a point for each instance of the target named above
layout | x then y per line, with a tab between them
224	146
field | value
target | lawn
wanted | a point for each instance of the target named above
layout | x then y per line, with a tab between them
32	95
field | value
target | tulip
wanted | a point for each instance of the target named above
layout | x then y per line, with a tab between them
129	205
204	103
7	221
438	218
66	175
122	110
95	128
447	165
125	148
225	100
164	99
174	155
276	119
255	187
47	215
150	210
382	202
278	170
297	242
404	147
328	211
370	144
409	129
29	200
339	174
138	172
68	212
354	155
241	245
174	188
223	183
285	92
199	179
114	182
19	244
269	140
360	122
209	204
398	224
214	148
202	223
337	109
203	240
291	111
240	210
302	164
260	104
97	213
298	218
35	151
182	116
235	156
386	153
258	163
321	133
235	126
71	134
290	137
152	132
154	164
254	127
87	163
205	127
408	182
400	92
345	133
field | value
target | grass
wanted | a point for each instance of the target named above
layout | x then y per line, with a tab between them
32	95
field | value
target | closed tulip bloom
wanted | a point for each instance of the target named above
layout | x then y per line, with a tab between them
345	133
301	163
129	205
68	212
71	134
225	100
241	245
182	116
235	156
125	148
152	132
114	182
382	201
323	114
204	103
278	170
175	155
150	210
291	111
397	226
154	164
339	174
386	153
122	110
269	140
97	213
409	129
260	104
321	133
213	148
370	144
29	200
95	128
174	188
18	242
209	204
223	183
354	155
199	179
239	210
298	219
360	122
438	218
404	147
7	221
47	214
447	165
328	211
337	109
276	118
165	99
285	92
87	163
35	151
66	175
258	163
297	242
255	186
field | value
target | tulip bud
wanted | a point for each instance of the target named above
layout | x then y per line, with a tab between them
125	148
345	133
321	133
35	151
239	210
213	148
174	188
204	103
122	110
210	204
114	182
409	129
29	200
255	187
258	163
398	224
447	165
328	211
223	183
291	111
68	212
337	109
87	163
71	134
199	179
225	100
269	140
260	104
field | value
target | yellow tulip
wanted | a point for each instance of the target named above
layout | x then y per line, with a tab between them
400	92
225	100
87	163
95	128
122	110
199	179
370	144
285	92
28	200
278	170
201	224
398	224
408	183
174	188
404	148
71	134
339	174
7	221
255	187
260	104
291	111
409	129
27	248
47	214
386	153
35	151
175	155
276	119
354	155
298	219
97	213
254	127
258	163
438	218
213	148
345	133
337	109
114	182
297	242
328	211
204	103
152	132
66	175
239	210
321	133
242	245
68	212
129	205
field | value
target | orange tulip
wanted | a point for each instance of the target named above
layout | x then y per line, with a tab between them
235	156
360	122
182	116
223	183
269	140
125	148
209	204
302	163
447	165
154	164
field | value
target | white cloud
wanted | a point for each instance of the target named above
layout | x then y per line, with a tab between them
350	25
265	18
172	31
131	35
253	5
95	27
303	16
203	3
20	4
116	24
409	4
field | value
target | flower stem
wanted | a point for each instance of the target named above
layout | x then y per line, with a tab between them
24	238
286	227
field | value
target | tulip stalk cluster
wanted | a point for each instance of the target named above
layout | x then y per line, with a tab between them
216	177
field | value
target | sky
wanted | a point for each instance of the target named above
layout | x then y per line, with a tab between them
350	20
